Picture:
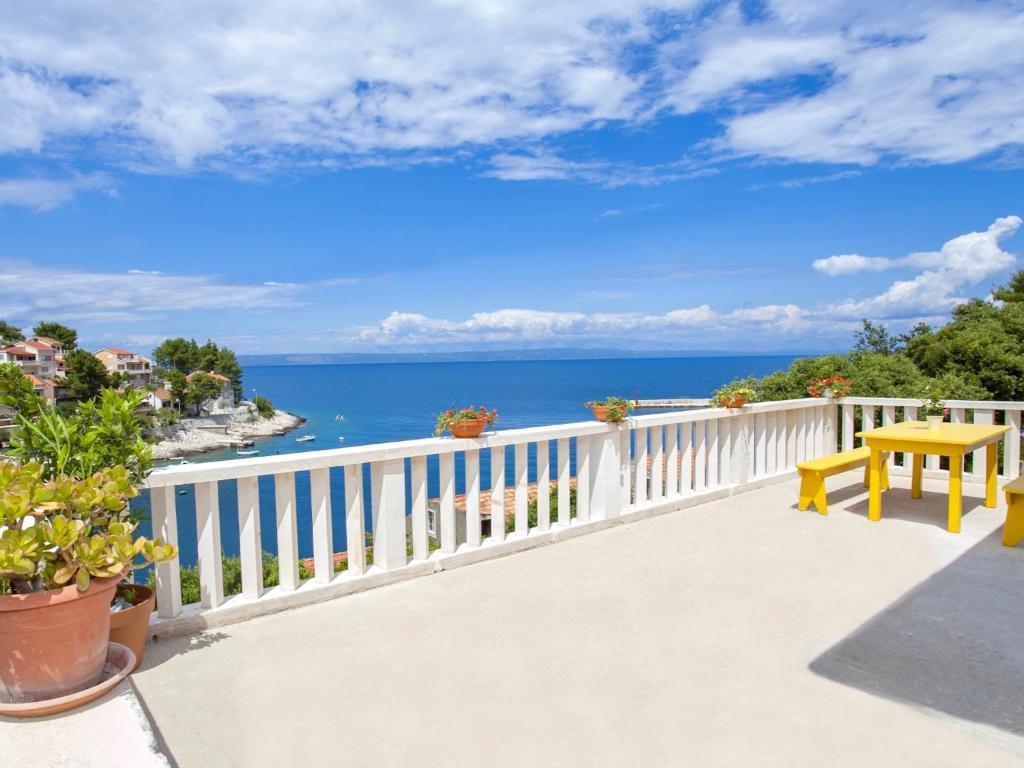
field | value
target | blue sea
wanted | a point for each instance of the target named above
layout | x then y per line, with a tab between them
361	404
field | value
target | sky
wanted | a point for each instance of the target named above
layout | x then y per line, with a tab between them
411	176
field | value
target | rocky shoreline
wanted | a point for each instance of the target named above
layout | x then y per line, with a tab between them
211	433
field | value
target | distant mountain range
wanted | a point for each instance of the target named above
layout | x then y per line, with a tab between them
355	358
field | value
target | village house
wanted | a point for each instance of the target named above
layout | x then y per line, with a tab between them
35	357
225	401
51	390
138	368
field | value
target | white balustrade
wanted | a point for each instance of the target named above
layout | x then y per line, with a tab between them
419	496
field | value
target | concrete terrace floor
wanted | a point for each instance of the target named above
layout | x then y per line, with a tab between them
740	632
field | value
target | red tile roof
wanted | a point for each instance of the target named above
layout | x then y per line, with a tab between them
116	351
211	374
39	346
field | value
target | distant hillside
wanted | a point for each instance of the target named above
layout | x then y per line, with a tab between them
353	358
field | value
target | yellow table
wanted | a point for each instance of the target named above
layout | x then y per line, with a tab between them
952	440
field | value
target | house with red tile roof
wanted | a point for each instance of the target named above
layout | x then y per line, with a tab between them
139	369
226	400
33	356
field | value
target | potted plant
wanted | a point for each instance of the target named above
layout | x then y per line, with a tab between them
832	386
733	396
65	545
933	408
129	617
612	409
464	422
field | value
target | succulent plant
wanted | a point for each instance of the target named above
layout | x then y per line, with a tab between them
62	530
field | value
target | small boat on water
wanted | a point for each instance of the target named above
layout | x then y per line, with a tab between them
341	439
246	453
305	439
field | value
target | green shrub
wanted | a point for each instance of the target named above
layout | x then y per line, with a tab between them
264	407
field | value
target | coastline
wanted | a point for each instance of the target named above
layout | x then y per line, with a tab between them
204	434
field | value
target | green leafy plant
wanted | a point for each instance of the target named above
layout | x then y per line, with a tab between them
932	403
618	408
99	434
453	416
264	407
62	530
733	396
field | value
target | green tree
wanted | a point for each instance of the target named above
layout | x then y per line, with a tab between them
227	365
9	334
264	407
202	387
1013	291
68	337
179	388
16	391
86	376
175	354
874	338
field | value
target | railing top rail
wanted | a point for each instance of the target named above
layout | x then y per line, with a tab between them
233	469
993	405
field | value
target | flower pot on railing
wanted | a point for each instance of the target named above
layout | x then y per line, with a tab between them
130	626
736	401
54	643
934	422
468	428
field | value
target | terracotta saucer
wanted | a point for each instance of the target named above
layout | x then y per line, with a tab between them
120	661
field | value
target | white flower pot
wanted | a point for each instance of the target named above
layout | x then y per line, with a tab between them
934	422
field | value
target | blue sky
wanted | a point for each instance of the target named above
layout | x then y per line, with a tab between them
672	176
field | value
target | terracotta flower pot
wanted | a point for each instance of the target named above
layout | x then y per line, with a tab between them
600	412
469	428
130	627
736	401
54	643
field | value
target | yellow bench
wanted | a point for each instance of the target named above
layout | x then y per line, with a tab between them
1013	530
814	472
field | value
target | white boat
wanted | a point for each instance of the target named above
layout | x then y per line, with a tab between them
341	439
305	439
246	453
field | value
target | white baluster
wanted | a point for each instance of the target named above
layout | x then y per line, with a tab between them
1011	452
522	489
211	579
672	451
564	486
909	414
657	464
323	535
848	427
418	482
760	444
250	545
582	479
473	535
701	453
447	522
388	500
686	456
287	530
889	417
168	574
498	493
641	491
355	519
543	472
791	438
711	451
981	416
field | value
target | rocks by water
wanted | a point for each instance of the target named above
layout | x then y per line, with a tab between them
210	433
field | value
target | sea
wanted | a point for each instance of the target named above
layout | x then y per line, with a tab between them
361	404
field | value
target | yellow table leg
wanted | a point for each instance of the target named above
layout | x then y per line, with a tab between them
875	486
956	468
991	465
915	476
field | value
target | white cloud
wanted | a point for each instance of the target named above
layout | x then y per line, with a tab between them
851	264
961	262
42	194
235	86
55	293
543	166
